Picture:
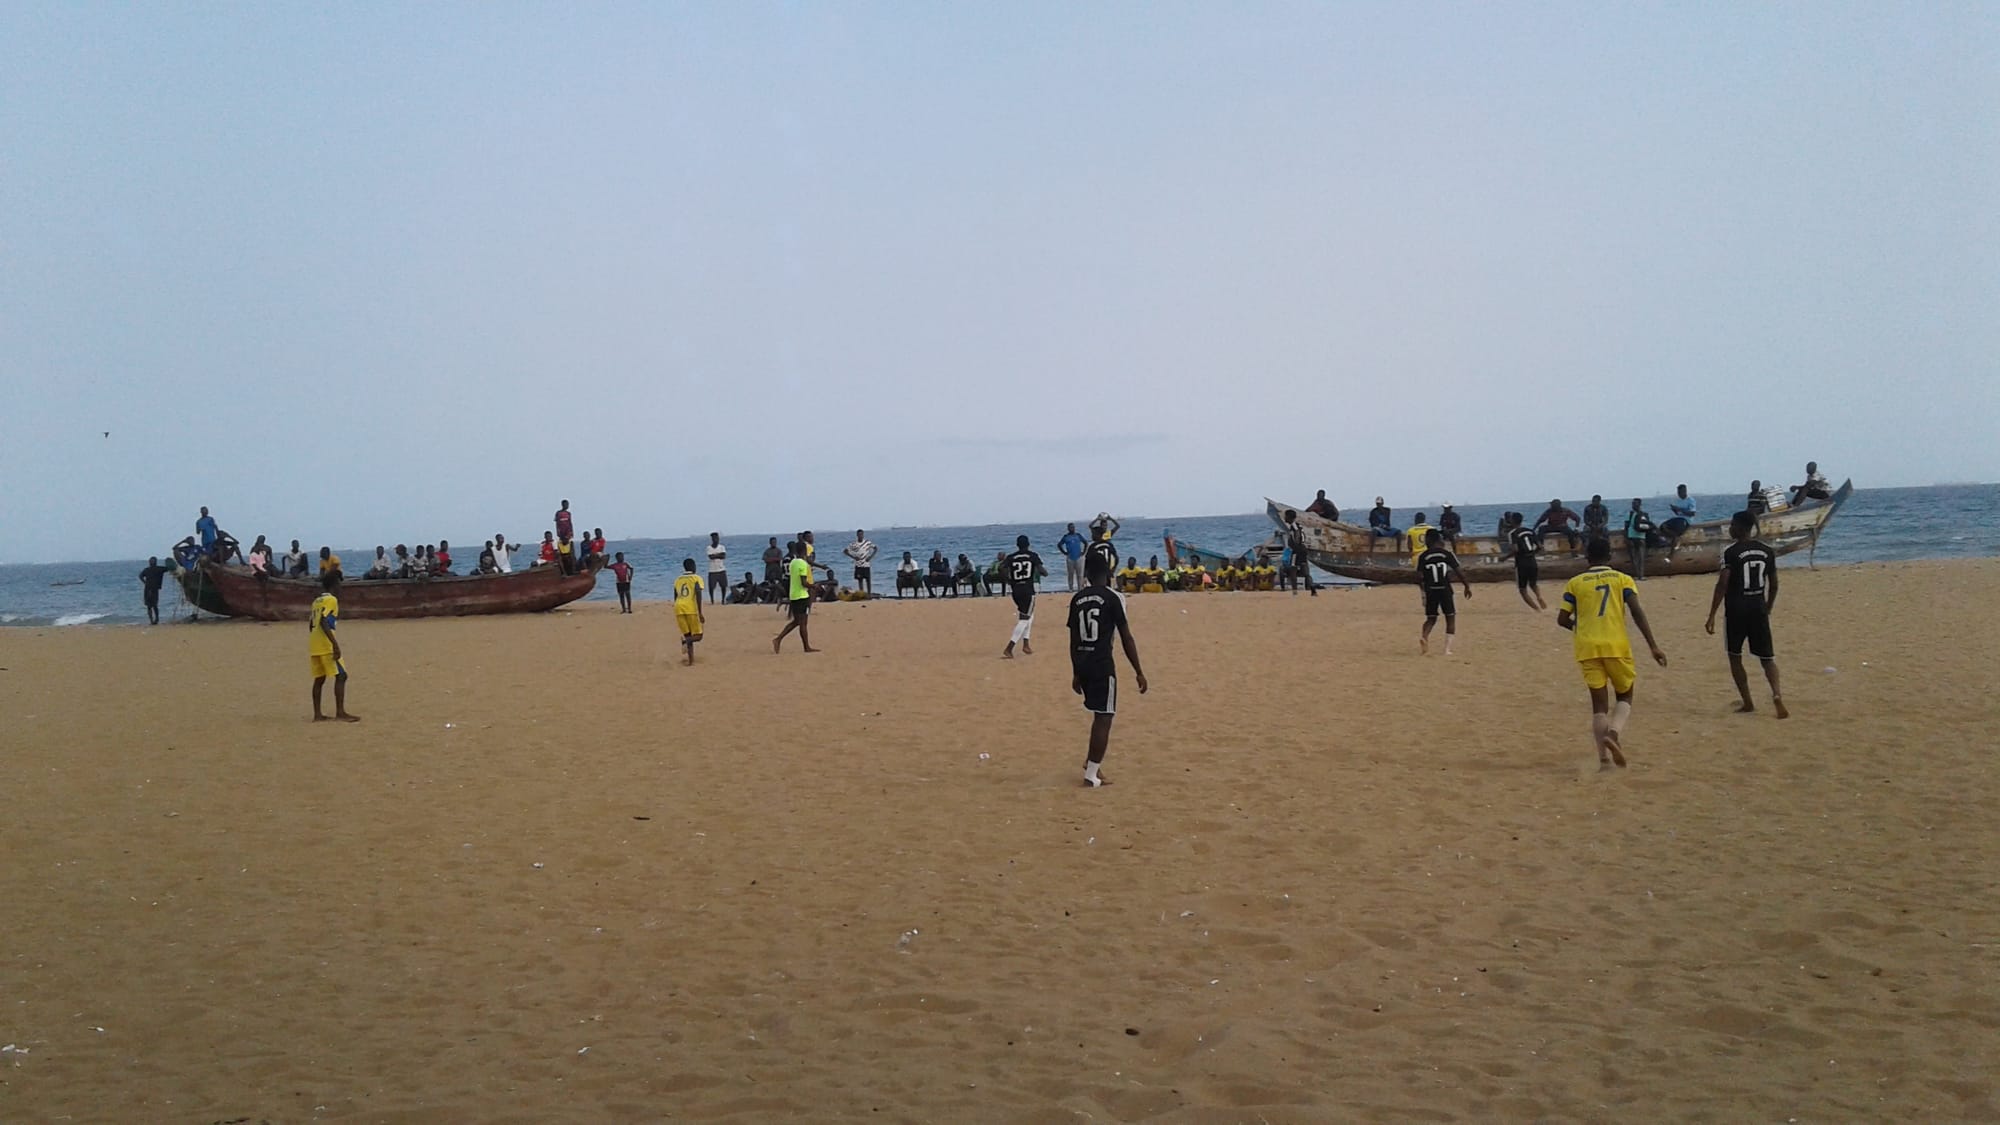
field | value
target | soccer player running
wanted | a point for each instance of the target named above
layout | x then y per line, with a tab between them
1436	567
1522	545
1095	613
800	601
1020	570
1594	607
323	649
687	607
622	570
1748	588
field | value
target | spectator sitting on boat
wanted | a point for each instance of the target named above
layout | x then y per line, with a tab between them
909	576
1557	520
1684	511
1815	487
1322	507
441	558
328	561
420	561
260	557
596	552
489	562
548	555
503	554
938	576
186	553
566	554
225	548
380	567
295	562
402	567
1756	503
1596	518
1379	523
1450	525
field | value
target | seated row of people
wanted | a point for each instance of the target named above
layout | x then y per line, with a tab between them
1259	575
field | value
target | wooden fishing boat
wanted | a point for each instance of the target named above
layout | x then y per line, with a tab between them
1353	551
237	591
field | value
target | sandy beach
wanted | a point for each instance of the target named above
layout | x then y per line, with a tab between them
555	876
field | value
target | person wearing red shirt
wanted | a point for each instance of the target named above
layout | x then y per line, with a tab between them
565	529
548	555
623	571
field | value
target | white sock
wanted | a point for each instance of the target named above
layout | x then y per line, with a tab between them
1090	772
1620	712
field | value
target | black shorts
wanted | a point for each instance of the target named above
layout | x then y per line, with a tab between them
1752	624
1024	601
624	587
800	608
1100	692
864	574
773	571
1439	601
718	580
1527	572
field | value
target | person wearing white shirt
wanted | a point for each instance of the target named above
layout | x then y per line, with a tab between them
503	553
862	551
718	567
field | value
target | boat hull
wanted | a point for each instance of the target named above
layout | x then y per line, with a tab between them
234	591
1352	551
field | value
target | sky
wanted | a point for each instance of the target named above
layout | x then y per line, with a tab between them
359	273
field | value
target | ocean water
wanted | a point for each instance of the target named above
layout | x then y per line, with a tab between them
1876	525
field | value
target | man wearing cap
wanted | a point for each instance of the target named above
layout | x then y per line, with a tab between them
1378	521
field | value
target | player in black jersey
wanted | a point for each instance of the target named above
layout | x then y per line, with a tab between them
1020	571
1522	544
1101	544
1748	588
1436	567
1095	613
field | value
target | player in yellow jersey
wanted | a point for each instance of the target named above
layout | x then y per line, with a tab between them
687	607
1594	605
323	649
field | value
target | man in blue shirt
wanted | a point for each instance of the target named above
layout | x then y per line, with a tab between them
1684	509
1071	546
205	527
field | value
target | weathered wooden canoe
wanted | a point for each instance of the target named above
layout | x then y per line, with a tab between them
236	591
1352	551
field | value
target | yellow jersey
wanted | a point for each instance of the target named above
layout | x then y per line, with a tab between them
1417	545
329	564
687	594
325	616
1596	599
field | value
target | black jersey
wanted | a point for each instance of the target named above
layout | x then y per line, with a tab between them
1020	570
1105	548
1095	616
1434	568
1525	543
1749	565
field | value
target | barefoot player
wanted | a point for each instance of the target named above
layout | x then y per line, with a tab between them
1594	605
1020	570
800	603
687	607
1436	567
1522	545
1748	588
323	649
1095	613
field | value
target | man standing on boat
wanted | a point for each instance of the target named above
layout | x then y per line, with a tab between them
205	527
565	523
503	553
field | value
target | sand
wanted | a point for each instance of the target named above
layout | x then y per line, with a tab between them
555	876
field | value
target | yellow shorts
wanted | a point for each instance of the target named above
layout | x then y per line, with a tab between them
323	665
1617	671
690	624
